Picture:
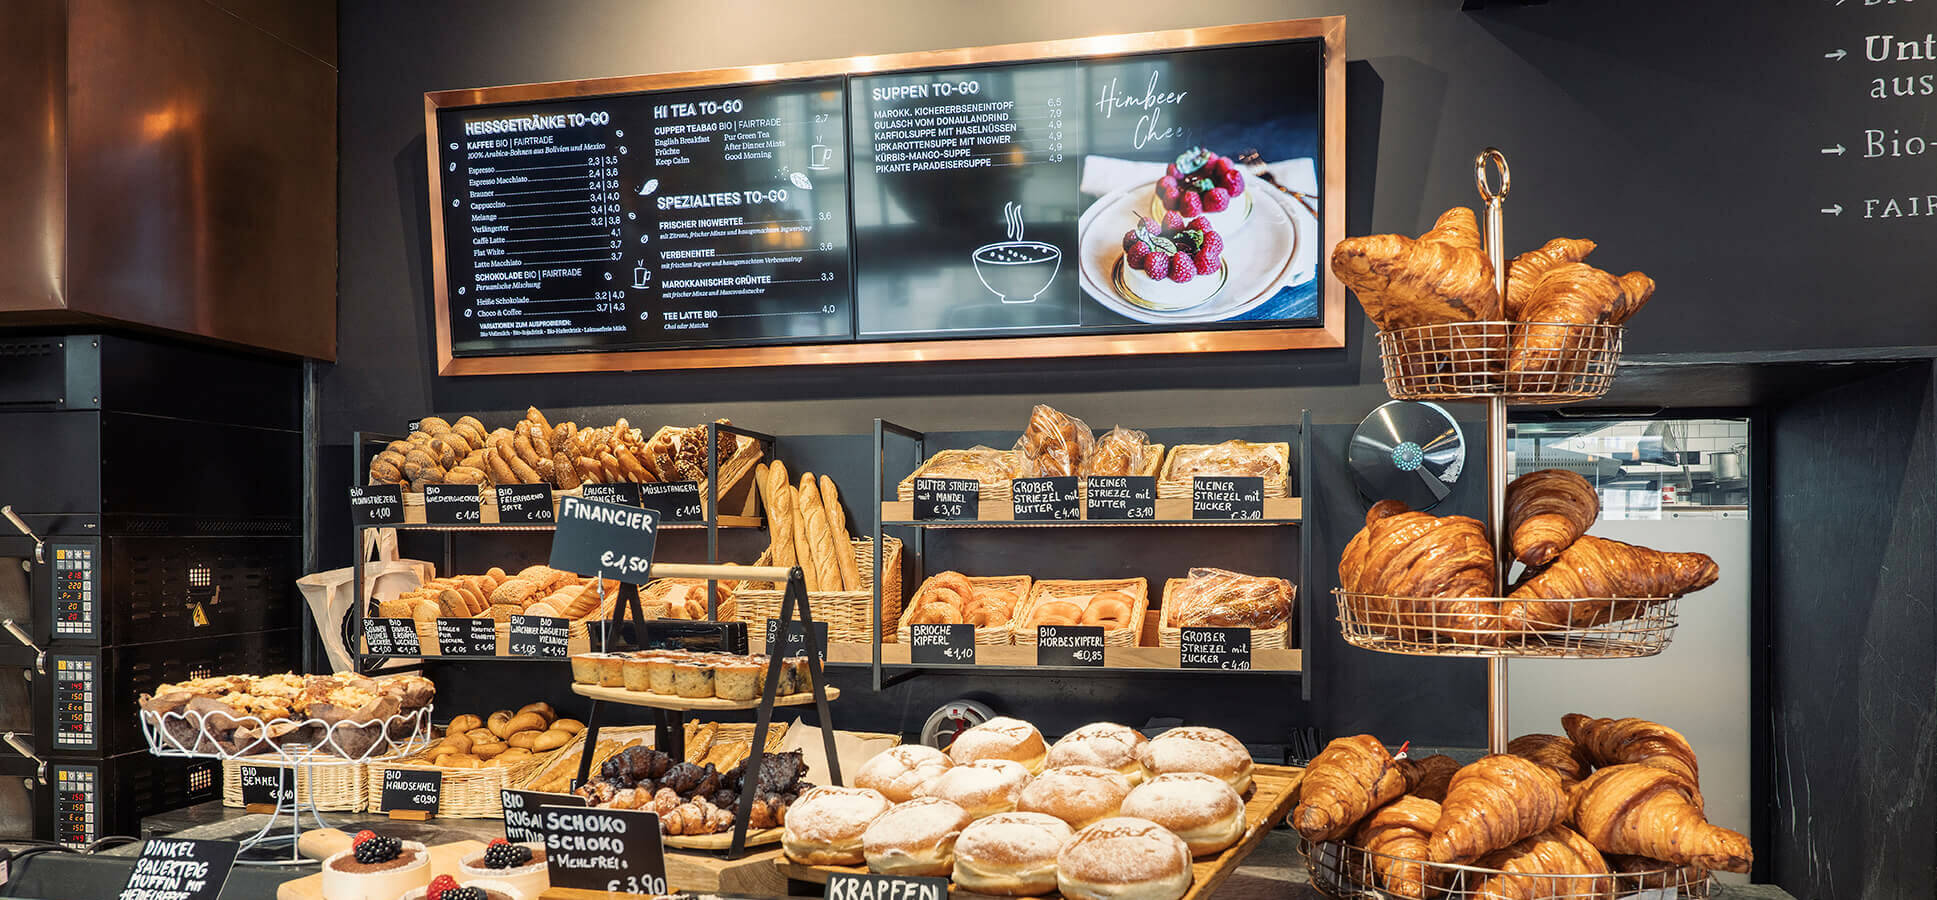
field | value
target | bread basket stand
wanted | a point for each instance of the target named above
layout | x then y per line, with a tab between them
188	735
1499	363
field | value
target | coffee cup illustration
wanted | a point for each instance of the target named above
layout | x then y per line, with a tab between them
1016	270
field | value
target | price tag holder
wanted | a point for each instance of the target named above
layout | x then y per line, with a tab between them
624	493
796	642
1214	648
617	851
392	637
941	645
266	787
543	636
845	886
377	504
947	499
595	538
453	504
1052	499
676	501
467	636
412	793
525	504
1227	499
180	869
1069	645
521	816
1120	497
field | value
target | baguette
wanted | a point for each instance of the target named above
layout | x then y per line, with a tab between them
820	538
803	542
780	521
843	545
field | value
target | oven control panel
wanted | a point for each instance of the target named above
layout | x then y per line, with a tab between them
76	682
76	572
77	799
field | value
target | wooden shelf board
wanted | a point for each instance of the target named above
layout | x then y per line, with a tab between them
1277	511
1019	656
663	701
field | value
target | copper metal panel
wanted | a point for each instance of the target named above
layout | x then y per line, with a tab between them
202	153
33	81
1331	291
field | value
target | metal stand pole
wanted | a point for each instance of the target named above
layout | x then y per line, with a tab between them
1497	474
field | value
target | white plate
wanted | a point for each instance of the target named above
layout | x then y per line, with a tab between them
1276	247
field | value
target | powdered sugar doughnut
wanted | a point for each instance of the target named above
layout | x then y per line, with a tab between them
898	771
915	838
1104	744
1078	795
1201	809
1124	859
824	826
1001	738
984	788
1011	854
1196	748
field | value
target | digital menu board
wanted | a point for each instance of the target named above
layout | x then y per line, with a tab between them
868	211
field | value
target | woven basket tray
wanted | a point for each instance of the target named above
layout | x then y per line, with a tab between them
993	634
466	793
1170	487
1126	636
1261	638
333	788
1153	467
849	614
905	491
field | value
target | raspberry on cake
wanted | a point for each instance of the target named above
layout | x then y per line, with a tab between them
1203	184
1173	263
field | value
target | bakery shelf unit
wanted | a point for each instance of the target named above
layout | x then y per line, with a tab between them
1501	364
734	508
992	525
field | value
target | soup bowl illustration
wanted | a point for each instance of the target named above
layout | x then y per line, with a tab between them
1018	271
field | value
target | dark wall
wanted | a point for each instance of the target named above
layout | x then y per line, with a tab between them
1853	641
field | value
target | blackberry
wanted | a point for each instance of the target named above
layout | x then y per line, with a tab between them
466	893
507	856
378	849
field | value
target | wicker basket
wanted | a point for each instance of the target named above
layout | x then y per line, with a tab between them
905	490
1473	626
465	793
1171	487
849	614
1126	636
337	787
737	496
1261	638
655	593
985	636
1526	362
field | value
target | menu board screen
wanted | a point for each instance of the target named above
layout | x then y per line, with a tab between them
666	219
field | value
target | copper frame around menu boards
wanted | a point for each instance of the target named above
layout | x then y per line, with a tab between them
1330	332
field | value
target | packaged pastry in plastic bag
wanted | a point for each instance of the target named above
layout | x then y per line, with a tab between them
1222	598
1231	458
984	464
1054	443
1123	451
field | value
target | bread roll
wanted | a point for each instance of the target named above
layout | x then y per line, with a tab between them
1200	809
825	825
1001	738
900	771
1009	854
1123	859
1078	795
915	838
820	538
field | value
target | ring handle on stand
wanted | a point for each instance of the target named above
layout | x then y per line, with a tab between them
1499	161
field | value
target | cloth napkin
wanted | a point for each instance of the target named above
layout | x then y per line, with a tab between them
1103	174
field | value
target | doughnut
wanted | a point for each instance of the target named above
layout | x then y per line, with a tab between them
1010	854
1200	809
1001	738
983	788
824	826
1195	748
1078	795
936	612
1123	858
1056	612
898	771
915	838
1110	609
1104	744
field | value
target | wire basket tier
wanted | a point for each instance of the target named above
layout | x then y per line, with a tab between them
1526	362
313	741
1584	628
1344	871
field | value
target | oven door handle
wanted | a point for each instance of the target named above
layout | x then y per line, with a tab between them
27	750
40	656
40	546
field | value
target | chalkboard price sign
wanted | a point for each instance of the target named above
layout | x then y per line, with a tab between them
1128	497
1051	499
525	504
796	642
539	636
947	499
392	637
843	886
1232	499
624	493
595	538
377	504
1069	645
1215	648
613	850
676	501
267	785
522	820
467	636
179	869
411	791
942	645
453	504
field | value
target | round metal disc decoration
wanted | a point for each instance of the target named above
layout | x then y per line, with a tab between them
1407	451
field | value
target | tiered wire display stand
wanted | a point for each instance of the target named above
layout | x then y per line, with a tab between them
189	735
1501	364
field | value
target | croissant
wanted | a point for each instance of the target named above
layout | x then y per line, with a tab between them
1397	832
1426	567
1351	777
1536	864
1429	776
1612	742
1650	811
1572	293
1596	567
1443	276
1547	511
1525	270
1494	802
1557	753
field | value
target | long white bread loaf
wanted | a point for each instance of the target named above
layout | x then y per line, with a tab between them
843	545
803	549
780	515
820	538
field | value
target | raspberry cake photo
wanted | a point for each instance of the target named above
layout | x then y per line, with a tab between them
1202	183
1171	263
